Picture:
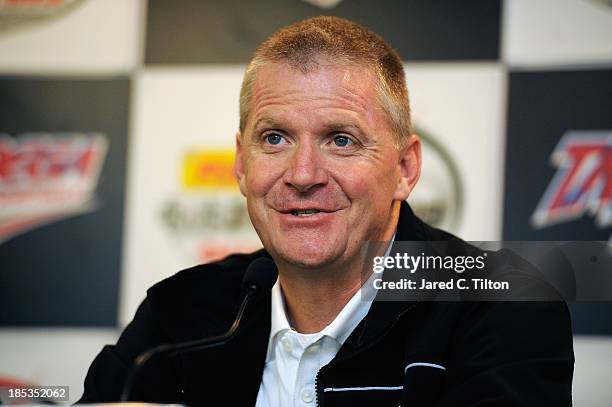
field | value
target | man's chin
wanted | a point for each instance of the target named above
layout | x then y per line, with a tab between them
308	258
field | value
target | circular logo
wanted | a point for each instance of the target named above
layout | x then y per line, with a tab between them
438	196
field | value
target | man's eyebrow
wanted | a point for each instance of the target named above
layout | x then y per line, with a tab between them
349	127
333	126
342	126
265	121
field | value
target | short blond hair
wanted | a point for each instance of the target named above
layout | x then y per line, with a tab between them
302	43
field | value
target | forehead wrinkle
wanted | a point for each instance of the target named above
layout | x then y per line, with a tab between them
263	96
342	88
353	113
352	103
335	117
266	109
342	95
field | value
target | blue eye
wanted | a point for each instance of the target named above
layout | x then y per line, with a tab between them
342	141
273	139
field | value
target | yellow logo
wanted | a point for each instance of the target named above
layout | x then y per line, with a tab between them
206	170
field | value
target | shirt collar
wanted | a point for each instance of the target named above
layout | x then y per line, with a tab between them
340	328
280	322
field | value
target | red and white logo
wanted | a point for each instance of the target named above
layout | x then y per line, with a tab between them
583	182
45	177
19	12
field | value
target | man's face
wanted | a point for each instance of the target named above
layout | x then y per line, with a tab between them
319	165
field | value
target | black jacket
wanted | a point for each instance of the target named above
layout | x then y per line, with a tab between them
461	353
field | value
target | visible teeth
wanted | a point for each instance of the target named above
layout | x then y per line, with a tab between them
306	212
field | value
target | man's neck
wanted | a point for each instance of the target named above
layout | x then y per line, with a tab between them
311	307
315	297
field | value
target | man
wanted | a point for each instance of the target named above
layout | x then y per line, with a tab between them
326	158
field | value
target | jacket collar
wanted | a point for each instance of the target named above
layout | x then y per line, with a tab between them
383	314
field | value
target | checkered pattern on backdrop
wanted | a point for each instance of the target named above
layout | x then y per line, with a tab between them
137	102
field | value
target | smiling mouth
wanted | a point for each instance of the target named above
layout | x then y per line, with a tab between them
305	212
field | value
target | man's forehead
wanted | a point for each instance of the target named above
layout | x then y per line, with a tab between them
280	86
333	73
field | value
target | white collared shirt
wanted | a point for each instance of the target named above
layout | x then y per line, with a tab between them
293	359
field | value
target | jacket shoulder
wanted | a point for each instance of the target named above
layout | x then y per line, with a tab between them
201	299
223	272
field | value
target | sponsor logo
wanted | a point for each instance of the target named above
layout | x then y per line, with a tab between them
438	196
45	177
582	183
208	170
18	12
208	219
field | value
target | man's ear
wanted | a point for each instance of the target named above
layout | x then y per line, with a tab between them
410	167
239	165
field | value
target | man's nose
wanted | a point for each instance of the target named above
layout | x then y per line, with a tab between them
305	169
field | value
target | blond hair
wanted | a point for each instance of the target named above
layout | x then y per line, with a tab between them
302	43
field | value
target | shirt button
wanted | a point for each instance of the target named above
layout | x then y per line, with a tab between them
286	344
307	395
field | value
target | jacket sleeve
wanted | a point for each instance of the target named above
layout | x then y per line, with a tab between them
108	372
512	354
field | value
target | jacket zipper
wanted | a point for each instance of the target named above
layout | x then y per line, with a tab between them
380	338
319	388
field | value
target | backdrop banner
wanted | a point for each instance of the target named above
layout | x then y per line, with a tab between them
62	173
559	166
